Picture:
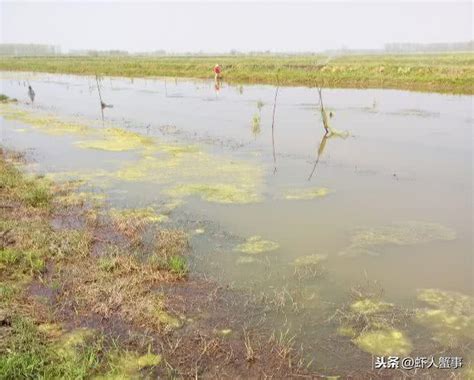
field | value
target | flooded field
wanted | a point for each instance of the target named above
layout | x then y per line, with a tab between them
382	207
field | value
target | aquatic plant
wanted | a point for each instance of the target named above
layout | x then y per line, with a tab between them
314	259
369	306
219	193
46	123
309	266
449	316
306	194
256	244
369	240
128	365
177	265
117	140
386	342
260	105
256	124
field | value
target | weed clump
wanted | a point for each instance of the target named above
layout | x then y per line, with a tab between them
255	244
372	324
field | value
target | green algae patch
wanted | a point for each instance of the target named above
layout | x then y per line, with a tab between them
368	240
128	365
211	177
450	316
368	306
169	321
218	193
384	342
68	343
177	150
46	123
143	215
255	245
306	194
117	140
224	332
314	259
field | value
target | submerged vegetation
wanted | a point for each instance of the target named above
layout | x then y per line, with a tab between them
449	316
369	240
450	72
255	244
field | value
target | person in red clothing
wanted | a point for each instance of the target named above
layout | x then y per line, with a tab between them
217	77
217	71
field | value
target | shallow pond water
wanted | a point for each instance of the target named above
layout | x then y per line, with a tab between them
388	199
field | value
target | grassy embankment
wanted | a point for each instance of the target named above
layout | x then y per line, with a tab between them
85	293
446	73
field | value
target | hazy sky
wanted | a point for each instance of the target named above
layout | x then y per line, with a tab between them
221	26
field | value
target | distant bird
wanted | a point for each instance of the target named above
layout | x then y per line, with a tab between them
103	105
31	94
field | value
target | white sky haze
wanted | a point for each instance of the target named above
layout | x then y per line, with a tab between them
244	26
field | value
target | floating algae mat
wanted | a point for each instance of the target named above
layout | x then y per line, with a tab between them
450	316
219	193
368	241
212	178
306	194
256	244
117	140
46	123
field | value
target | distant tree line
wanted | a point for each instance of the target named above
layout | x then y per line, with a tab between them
29	49
433	47
396	47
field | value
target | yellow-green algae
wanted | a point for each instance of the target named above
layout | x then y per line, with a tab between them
128	365
218	193
45	122
117	140
366	241
67	343
450	316
314	259
306	194
224	332
368	306
145	215
256	244
384	342
214	178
